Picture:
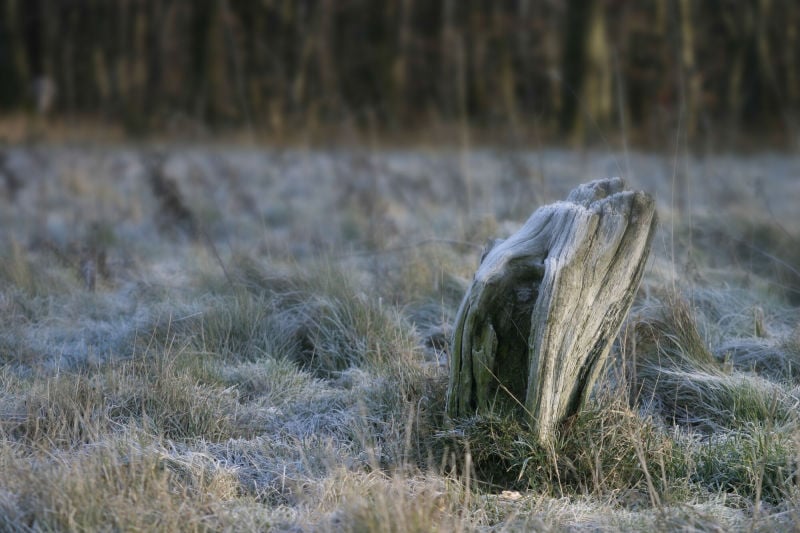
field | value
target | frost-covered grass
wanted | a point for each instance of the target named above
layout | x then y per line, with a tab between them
233	339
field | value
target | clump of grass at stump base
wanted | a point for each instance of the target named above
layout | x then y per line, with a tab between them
603	449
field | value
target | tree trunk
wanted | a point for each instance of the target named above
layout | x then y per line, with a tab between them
537	323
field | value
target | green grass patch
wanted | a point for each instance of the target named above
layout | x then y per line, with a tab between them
605	449
760	463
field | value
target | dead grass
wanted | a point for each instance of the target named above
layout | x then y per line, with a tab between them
292	376
117	485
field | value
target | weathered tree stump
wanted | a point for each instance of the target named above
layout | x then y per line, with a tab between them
537	323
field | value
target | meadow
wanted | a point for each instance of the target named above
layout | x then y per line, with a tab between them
228	338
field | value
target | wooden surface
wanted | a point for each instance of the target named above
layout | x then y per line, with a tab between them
545	305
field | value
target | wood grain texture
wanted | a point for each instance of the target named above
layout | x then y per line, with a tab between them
536	325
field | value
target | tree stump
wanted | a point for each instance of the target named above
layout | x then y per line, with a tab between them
537	323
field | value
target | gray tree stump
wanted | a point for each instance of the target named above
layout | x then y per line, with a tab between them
537	323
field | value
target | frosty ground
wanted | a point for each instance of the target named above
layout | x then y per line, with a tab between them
228	338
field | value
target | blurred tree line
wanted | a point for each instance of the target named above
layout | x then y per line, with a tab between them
564	67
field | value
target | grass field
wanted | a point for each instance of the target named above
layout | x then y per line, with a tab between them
210	338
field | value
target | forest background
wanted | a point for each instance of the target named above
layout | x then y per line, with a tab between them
721	72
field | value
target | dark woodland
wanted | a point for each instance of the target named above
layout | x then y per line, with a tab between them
557	69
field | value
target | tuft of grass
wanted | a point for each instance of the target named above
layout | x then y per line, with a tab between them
154	393
62	411
340	331
319	319
609	448
675	373
756	463
671	337
276	382
398	415
118	486
604	449
326	324
240	327
160	391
